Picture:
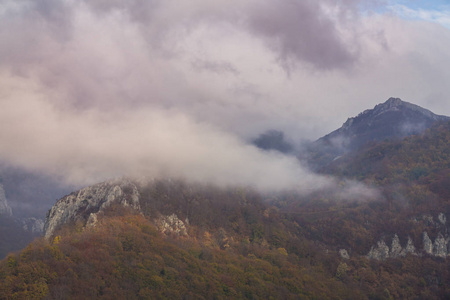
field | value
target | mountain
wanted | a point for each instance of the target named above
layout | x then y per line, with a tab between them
25	197
15	233
169	238
199	242
389	120
30	194
273	140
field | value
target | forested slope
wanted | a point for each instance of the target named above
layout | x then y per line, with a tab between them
197	241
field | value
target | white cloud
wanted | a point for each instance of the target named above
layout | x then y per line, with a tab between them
92	89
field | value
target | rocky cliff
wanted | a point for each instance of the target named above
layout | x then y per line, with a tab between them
439	248
85	204
33	225
4	207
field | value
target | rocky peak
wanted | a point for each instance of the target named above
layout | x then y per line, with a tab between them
392	119
5	209
396	104
85	204
394	111
391	103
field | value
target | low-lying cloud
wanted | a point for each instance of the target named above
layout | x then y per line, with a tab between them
94	145
98	89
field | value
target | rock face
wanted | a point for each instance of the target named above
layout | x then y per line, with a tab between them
85	204
33	225
427	244
344	254
396	248
4	207
171	224
439	248
442	219
410	247
382	251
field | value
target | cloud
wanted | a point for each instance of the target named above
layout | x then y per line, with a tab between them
95	145
94	89
301	30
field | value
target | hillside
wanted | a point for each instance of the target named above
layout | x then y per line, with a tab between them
412	176
198	241
170	238
126	256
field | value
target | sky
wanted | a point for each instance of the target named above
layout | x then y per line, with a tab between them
102	88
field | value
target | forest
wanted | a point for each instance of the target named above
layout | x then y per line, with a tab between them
242	244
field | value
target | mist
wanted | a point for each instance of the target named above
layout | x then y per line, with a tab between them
93	90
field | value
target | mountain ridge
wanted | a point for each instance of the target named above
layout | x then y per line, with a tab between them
392	105
169	238
392	119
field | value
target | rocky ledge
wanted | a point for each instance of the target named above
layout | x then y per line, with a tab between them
85	204
439	248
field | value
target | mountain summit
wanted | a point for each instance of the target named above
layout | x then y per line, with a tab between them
392	119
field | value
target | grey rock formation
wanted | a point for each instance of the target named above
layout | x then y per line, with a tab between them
409	248
4	207
427	244
344	254
171	224
33	225
440	246
396	248
380	252
442	218
86	203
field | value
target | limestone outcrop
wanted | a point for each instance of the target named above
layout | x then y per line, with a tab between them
171	225
440	247
85	204
33	225
5	209
379	252
382	251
